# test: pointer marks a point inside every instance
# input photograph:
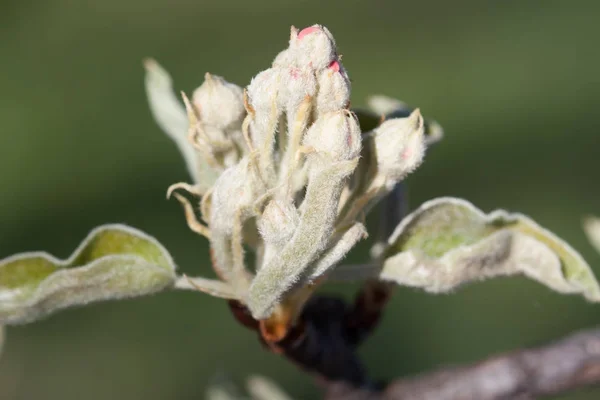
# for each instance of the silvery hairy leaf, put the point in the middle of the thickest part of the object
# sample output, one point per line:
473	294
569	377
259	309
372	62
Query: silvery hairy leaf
448	242
113	262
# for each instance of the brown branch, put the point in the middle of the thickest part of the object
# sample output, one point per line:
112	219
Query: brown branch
569	364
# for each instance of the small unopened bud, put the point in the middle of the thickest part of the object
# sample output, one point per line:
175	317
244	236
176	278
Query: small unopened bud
334	88
400	145
234	189
297	84
219	103
283	59
313	46
336	133
278	222
264	89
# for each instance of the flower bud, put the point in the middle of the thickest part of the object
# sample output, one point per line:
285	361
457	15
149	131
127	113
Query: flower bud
263	98
334	88
283	59
219	103
336	133
400	145
297	84
234	189
264	89
313	47
278	222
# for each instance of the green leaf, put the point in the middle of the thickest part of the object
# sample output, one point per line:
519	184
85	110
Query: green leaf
448	242
113	262
591	225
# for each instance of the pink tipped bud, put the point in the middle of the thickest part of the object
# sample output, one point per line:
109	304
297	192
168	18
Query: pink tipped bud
309	30
219	103
297	84
313	47
334	66
337	134
334	88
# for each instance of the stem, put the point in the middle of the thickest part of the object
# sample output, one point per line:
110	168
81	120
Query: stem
566	365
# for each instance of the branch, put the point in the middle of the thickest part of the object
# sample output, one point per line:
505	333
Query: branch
568	364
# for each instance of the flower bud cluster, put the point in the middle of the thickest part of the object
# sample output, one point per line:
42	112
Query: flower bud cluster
288	173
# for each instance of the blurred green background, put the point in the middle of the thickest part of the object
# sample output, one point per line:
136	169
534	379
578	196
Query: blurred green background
514	83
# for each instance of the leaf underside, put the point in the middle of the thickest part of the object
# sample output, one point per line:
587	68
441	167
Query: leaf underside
114	261
448	242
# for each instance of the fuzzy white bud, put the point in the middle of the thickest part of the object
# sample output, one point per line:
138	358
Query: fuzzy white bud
278	222
313	47
234	189
264	89
284	59
335	133
297	84
218	102
334	88
400	145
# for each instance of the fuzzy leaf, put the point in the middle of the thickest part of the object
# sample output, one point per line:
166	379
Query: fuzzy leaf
113	262
172	118
591	225
448	242
342	246
278	276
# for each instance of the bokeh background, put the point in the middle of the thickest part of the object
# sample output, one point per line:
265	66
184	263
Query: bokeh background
514	83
